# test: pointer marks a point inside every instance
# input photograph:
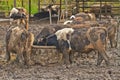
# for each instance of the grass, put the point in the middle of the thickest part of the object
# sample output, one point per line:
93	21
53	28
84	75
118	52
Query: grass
34	4
8	6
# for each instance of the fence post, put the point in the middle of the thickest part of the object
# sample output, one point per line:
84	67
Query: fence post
100	8
22	4
29	9
83	6
50	16
66	10
14	3
60	7
77	6
38	5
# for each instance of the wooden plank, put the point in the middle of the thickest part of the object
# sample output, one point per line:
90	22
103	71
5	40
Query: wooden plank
3	20
55	4
4	11
43	47
2	0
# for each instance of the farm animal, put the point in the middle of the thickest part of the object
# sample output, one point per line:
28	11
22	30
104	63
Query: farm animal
78	24
19	41
47	30
80	18
84	16
19	15
80	40
112	26
45	13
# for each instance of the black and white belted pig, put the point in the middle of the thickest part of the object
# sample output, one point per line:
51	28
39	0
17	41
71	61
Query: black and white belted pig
46	31
82	40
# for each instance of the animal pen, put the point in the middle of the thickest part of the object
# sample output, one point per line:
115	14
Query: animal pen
48	61
67	8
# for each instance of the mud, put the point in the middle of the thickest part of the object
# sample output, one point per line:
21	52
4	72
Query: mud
82	69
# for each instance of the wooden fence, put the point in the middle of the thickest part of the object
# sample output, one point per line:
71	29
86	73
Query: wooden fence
35	6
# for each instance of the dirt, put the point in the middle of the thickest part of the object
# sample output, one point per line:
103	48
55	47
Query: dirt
83	69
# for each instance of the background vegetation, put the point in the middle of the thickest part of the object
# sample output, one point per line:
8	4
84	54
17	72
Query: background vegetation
7	5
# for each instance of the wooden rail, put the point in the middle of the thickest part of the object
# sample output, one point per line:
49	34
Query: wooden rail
43	47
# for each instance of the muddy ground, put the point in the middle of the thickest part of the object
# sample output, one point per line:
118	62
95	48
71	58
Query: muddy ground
83	69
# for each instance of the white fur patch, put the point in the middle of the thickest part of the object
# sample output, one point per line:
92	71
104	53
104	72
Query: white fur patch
14	10
67	22
72	17
62	34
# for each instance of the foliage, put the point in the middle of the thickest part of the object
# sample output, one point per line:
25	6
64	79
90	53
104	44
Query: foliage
34	3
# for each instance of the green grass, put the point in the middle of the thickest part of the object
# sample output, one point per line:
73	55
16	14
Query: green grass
34	4
8	6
